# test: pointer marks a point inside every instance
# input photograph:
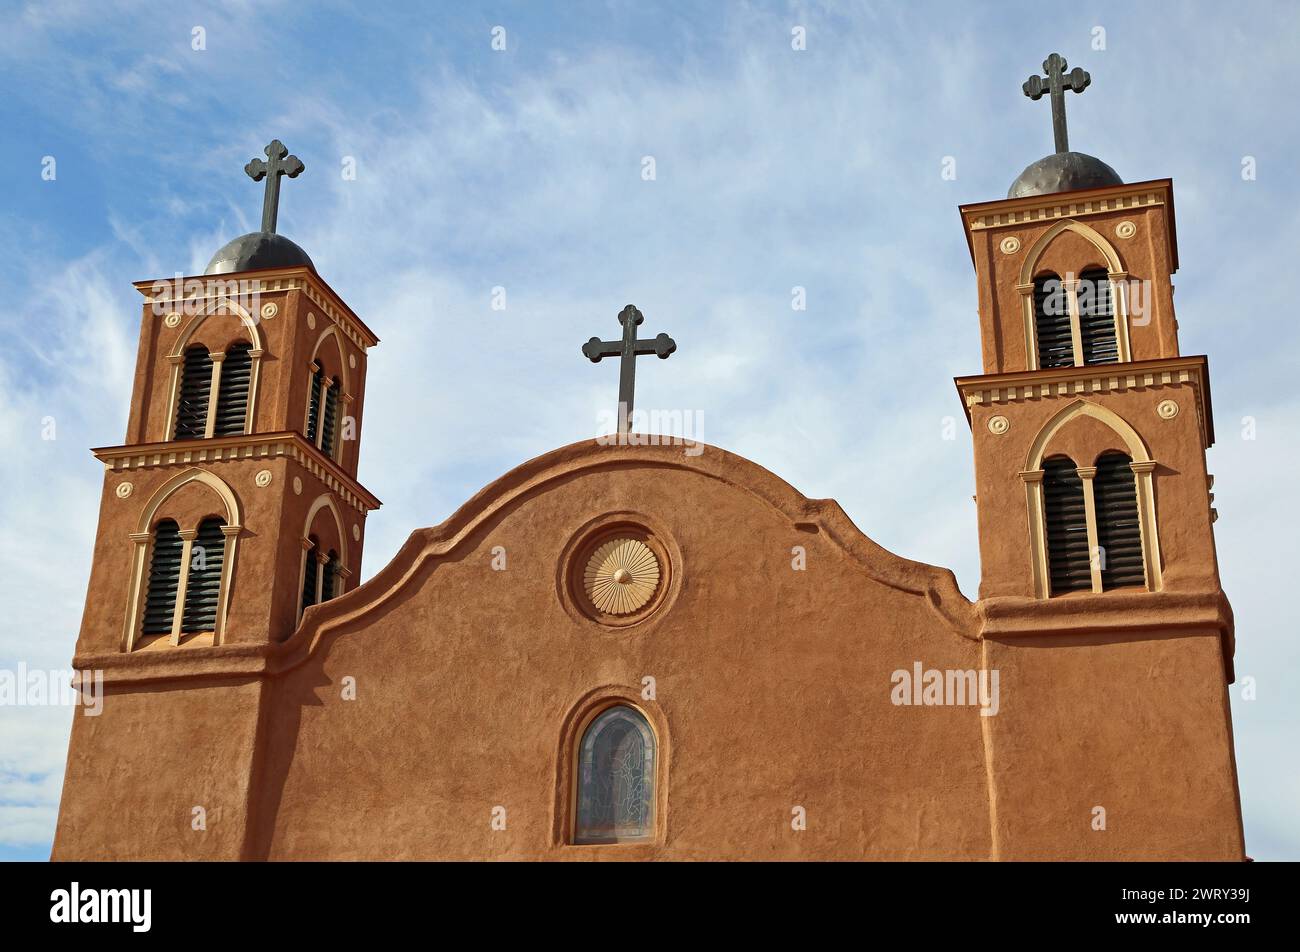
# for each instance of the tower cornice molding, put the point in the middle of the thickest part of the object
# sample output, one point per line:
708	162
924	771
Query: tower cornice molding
1093	379
258	446
1079	204
195	288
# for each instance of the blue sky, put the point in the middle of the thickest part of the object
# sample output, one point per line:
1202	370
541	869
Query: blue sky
522	169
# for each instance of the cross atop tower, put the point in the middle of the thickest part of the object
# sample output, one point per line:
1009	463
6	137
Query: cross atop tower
1056	82
627	351
278	162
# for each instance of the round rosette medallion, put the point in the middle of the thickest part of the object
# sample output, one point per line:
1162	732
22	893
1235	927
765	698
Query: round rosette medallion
617	571
622	576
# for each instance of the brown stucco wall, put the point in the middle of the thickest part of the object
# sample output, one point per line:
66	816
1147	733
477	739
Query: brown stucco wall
136	772
1135	722
773	689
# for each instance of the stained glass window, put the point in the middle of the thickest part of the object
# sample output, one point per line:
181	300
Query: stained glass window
616	778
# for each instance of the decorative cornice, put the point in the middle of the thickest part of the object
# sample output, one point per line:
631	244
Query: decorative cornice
1069	382
1046	208
259	446
1081	203
216	287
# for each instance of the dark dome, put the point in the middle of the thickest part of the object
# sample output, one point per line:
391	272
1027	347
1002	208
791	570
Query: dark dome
258	250
1063	172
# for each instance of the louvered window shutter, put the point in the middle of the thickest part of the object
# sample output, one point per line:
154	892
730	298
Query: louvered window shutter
1119	533
196	388
309	577
331	576
1097	318
232	392
1067	526
203	584
164	577
1052	323
329	418
313	405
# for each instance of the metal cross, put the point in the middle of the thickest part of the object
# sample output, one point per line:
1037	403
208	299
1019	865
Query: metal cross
627	351
1056	82
279	162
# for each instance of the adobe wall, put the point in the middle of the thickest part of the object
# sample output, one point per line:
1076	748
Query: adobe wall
1136	723
136	772
773	685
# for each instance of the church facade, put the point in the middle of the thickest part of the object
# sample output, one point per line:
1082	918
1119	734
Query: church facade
623	650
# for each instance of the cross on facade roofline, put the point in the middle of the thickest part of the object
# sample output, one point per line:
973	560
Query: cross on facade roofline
1056	82
627	350
278	162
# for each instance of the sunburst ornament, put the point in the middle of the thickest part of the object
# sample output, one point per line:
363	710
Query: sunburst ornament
621	576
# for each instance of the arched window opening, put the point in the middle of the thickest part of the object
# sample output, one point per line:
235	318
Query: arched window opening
1119	529
313	404
329	418
233	390
164	579
1097	318
1052	323
310	571
1067	526
329	580
196	389
616	778
203	582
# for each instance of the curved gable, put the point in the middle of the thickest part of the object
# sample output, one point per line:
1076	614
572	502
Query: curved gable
935	587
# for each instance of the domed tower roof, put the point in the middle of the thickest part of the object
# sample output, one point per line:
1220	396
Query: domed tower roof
263	249
1063	171
258	250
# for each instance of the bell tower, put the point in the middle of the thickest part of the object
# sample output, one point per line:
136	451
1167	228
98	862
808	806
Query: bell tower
1090	430
1082	364
232	507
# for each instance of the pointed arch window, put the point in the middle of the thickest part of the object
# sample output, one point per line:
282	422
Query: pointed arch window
616	778
1067	526
164	579
186	572
1119	528
1119	518
233	390
1052	323
195	391
1097	335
